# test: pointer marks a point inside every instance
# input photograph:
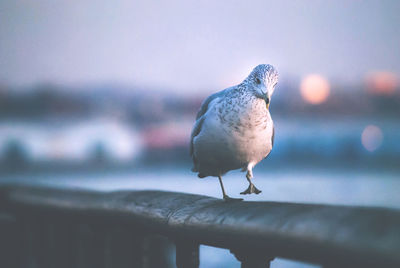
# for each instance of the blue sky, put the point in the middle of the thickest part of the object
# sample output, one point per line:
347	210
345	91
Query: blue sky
194	45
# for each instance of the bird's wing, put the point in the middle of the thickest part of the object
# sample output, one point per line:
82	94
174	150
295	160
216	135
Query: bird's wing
272	140
273	136
200	119
206	102
196	130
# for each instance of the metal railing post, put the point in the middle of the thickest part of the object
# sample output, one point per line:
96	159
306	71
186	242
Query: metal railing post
64	244
125	248
158	252
187	254
252	258
9	238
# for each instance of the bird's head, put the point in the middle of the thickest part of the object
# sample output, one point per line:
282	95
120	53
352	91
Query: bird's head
263	80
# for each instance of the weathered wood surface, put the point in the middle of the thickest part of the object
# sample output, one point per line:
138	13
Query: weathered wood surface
334	235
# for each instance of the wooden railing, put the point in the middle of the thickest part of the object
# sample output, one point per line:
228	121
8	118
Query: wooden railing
43	227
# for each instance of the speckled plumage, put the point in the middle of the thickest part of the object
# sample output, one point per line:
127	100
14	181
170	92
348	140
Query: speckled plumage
234	128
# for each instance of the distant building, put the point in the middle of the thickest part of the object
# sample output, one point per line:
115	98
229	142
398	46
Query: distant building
72	141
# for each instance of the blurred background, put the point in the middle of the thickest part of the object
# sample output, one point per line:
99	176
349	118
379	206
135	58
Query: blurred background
103	94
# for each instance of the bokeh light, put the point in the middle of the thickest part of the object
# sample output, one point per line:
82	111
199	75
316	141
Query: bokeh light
371	138
314	89
382	83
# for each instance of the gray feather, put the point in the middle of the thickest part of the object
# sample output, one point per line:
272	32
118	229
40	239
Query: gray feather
272	141
204	105
199	121
273	136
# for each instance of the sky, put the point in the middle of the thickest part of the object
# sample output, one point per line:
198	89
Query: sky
194	45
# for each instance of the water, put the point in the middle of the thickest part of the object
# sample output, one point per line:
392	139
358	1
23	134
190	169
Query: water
340	187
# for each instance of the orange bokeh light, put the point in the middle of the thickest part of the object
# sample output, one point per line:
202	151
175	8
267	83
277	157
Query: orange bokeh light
382	83
314	89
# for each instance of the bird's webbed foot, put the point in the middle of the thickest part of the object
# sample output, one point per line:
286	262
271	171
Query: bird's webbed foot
231	199
252	189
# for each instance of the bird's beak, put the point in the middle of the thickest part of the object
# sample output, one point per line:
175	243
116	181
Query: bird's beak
266	98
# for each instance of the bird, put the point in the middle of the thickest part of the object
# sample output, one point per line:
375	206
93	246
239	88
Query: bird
234	129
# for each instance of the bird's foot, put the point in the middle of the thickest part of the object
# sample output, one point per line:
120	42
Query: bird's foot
231	199
252	189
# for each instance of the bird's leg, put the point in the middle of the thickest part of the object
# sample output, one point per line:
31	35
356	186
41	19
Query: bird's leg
225	196
222	187
252	189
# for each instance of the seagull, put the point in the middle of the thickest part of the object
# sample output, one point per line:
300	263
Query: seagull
234	129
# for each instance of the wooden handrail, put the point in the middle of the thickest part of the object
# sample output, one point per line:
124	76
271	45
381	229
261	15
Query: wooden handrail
255	232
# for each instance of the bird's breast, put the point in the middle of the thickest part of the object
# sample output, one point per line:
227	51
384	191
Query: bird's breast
246	115
248	129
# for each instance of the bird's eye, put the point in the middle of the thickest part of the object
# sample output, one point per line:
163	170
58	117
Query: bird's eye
258	81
